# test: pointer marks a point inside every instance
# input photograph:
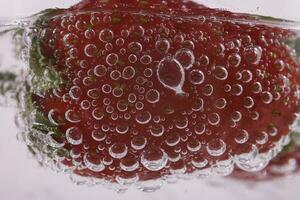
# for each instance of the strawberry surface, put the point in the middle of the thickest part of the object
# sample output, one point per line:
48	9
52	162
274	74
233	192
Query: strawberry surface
138	90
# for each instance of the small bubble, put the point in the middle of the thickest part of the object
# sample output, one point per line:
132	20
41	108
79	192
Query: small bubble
172	139
70	39
106	35
122	128
199	128
185	57
128	72
132	58
196	77
72	116
89	34
143	117
117	92
242	137
214	119
181	122
118	150
93	163
115	75
198	104
98	135
106	88
129	163
75	92
256	88
236	116
157	130
97	114
236	89
216	147
220	73
100	70
137	31
248	102
193	145
135	47
154	158
199	161
138	142
74	136
112	59
253	54
152	96
162	46
246	76
267	97
204	60
85	105
208	90
234	60
221	103
90	50
146	59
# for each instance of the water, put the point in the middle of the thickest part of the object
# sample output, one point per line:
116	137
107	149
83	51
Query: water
173	72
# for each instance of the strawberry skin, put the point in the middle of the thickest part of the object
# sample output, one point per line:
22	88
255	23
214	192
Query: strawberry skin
138	90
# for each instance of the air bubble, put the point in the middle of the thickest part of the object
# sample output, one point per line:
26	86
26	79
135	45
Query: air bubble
138	142
106	35
154	159
128	72
112	59
196	77
253	54
74	135
93	163
220	73
118	150
90	50
100	70
157	130
241	137
152	96
216	147
98	135
185	57
162	46
97	114
143	117
171	74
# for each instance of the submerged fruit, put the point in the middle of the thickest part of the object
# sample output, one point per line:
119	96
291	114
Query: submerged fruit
139	90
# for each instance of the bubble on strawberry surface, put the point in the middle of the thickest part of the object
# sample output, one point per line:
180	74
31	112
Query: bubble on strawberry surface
93	162
98	135
199	161
106	35
106	88
118	150
146	59
143	117
50	140
138	142
157	130
154	158
267	97
135	47
72	116
171	74
253	54
70	39
234	60
52	116
74	136
112	59
129	163
185	57
162	46
128	72
196	77
152	96
216	147
207	90
90	50
241	137
100	70
220	73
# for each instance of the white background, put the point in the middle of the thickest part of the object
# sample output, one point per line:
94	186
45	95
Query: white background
21	178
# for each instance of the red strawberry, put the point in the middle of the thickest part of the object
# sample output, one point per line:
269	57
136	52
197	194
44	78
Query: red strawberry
138	90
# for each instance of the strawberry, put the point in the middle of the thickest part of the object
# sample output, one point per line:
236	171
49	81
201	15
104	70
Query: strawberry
144	89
